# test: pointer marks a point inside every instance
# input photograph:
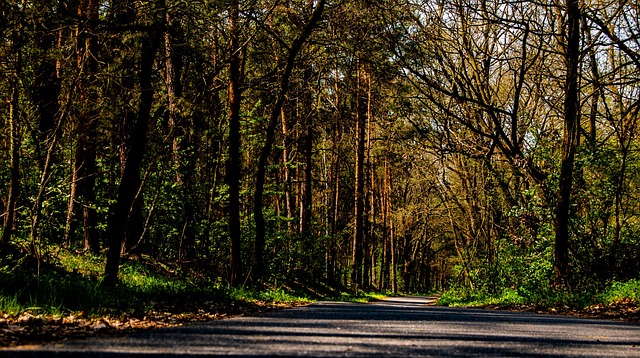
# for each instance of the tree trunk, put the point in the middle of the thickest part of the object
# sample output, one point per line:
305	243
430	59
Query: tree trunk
45	93
130	180
392	236
46	86
234	169
295	48
287	172
307	149
385	208
358	232
569	143
180	138
14	141
84	168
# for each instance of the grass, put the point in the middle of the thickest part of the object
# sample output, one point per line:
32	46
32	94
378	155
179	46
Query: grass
615	293
360	297
68	283
622	292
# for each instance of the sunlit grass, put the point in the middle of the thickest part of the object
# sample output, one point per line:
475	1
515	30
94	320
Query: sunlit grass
616	292
70	282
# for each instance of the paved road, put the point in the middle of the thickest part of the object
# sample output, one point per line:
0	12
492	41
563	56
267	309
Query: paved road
404	326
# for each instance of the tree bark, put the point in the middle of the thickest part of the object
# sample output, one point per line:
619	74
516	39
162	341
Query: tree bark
569	143
357	245
180	138
307	148
46	85
130	180
84	169
14	140
234	169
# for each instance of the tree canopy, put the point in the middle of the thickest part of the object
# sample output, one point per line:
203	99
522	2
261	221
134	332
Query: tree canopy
404	145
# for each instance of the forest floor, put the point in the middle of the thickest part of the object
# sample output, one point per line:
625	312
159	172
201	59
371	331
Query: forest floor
30	327
620	311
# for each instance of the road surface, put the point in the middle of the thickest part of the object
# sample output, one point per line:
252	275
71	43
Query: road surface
402	326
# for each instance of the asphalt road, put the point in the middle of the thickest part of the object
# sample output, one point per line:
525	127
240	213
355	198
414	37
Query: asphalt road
403	326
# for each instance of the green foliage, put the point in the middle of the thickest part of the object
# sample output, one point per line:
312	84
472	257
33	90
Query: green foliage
508	296
545	297
71	283
622	292
275	296
361	297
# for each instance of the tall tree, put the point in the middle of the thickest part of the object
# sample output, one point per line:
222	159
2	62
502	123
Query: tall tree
82	190
265	153
234	169
16	41
130	180
357	245
569	141
45	96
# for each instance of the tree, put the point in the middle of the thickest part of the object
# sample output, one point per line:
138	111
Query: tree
292	53
84	169
130	180
234	170
15	73
45	95
569	142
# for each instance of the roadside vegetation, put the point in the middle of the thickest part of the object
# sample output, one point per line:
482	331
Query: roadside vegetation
61	295
617	300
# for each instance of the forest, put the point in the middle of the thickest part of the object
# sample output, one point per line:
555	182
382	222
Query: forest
380	145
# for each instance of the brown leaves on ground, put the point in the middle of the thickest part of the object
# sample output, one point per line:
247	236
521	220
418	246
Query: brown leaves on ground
31	328
624	310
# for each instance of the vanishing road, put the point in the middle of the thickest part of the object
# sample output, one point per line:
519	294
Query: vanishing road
403	326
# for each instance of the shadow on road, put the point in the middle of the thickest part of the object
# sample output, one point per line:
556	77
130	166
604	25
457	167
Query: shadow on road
397	327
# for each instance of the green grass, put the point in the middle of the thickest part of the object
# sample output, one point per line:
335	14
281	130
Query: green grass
360	297
621	292
627	292
68	283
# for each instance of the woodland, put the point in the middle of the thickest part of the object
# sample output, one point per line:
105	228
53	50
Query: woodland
395	146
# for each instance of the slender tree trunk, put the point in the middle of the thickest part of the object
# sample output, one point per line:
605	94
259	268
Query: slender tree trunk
335	200
358	232
295	48
307	149
287	172
14	141
372	187
392	236
46	86
173	95
46	90
85	170
335	177
234	170
130	180
597	90
385	197
179	140
569	143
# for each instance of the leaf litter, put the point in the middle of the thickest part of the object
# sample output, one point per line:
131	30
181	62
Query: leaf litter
30	327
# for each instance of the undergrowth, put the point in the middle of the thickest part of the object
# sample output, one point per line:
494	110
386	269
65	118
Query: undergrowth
616	292
68	282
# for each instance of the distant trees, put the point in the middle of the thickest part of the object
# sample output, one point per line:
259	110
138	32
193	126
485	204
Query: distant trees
401	146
